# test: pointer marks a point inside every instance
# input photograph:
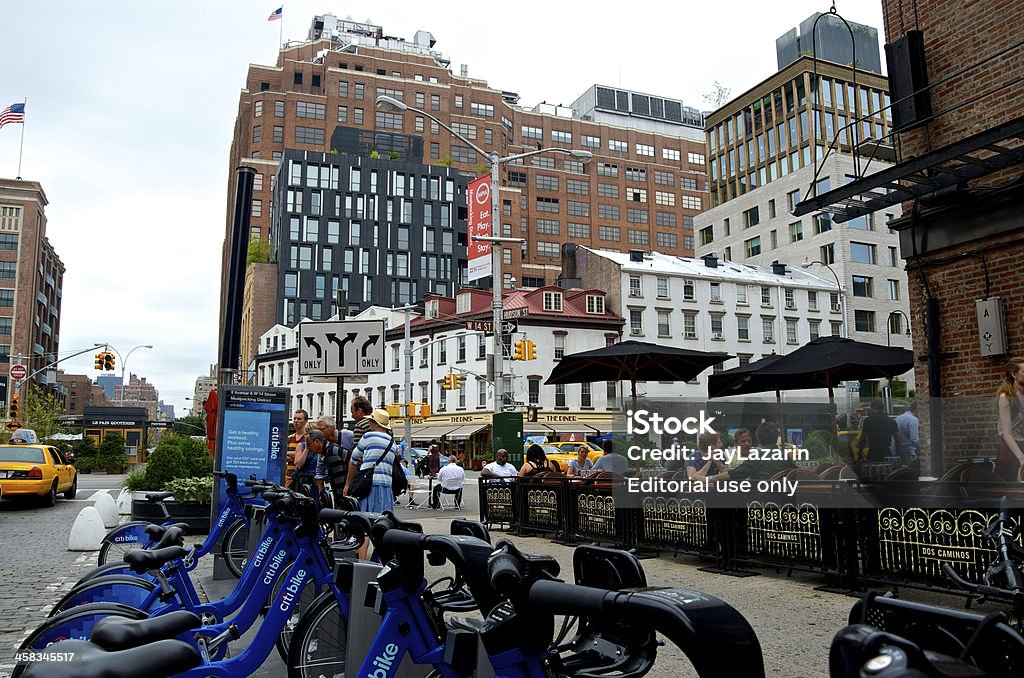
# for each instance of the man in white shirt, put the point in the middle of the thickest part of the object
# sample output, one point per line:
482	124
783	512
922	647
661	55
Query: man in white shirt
499	468
449	481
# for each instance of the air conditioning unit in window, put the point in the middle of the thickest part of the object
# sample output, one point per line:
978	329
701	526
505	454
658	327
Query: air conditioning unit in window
837	308
717	336
791	305
769	339
636	333
689	335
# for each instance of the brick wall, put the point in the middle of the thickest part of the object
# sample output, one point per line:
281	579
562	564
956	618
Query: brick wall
958	36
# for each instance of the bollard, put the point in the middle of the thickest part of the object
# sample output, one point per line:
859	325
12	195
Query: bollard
87	532
124	502
104	503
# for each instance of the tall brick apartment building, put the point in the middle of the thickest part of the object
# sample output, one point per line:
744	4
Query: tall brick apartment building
642	189
31	278
955	70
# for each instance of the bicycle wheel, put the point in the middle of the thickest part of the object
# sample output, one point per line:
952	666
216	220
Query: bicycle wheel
234	547
76	623
306	598
121	540
319	645
122	589
111	568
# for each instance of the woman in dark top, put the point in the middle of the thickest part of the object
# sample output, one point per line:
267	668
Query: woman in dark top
536	462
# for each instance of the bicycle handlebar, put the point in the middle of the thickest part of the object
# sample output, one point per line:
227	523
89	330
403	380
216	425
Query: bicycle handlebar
1009	595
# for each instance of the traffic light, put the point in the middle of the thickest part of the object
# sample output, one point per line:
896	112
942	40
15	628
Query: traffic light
449	379
520	350
99	360
13	413
531	350
108	361
456	382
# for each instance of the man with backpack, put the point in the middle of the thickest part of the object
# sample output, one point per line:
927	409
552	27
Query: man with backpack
333	463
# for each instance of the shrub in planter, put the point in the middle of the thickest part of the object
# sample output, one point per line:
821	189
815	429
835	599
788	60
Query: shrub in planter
166	463
86	463
819	444
191	489
135	481
111	454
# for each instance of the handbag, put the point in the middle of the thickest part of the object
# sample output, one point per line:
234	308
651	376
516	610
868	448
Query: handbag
362	483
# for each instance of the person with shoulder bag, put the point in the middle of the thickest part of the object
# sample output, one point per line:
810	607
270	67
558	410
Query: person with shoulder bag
371	467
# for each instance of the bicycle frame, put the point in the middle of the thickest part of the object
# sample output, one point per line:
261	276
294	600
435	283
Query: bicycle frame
308	565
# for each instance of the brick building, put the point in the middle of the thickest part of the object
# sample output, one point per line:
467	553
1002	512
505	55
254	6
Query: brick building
643	187
138	393
31	278
957	174
82	392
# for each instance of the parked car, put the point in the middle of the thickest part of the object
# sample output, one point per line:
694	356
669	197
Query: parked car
39	471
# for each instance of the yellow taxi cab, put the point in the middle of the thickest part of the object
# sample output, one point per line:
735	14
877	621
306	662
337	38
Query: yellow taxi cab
567	451
34	470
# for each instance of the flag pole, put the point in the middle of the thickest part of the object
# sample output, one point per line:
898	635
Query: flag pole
280	30
21	146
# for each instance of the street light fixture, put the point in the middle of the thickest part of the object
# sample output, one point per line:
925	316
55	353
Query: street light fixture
842	293
392	105
888	325
123	361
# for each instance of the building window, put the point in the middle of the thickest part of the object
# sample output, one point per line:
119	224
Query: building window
662	284
644	149
717	326
690	324
863	286
894	290
768	330
670	154
532	132
695	158
716	293
8	269
668	240
766	296
548	249
559	346
586	399
638	237
663	324
547	205
862	253
256	133
559	395
309	135
618	146
796	231
743	328
581	231
607	169
751	217
534	391
308	109
595	304
553	301
752	247
827	253
634	286
864	321
560	137
635	216
609	233
636	321
690	202
481	347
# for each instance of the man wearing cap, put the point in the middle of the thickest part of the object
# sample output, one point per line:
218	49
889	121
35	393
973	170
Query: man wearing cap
295	440
375	445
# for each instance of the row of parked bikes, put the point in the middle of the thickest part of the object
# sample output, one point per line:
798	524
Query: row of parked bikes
140	615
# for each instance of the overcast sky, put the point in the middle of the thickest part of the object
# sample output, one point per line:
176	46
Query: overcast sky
131	106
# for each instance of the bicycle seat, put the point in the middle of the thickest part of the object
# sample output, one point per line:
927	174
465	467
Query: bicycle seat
117	633
156	532
157	497
859	649
144	560
161	659
473	528
172	536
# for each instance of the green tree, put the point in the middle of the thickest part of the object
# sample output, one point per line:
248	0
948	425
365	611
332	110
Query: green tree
259	252
111	453
42	411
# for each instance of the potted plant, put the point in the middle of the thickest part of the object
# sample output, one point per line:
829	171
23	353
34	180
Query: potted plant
85	455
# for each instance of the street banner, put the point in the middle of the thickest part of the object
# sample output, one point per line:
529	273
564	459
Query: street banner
479	197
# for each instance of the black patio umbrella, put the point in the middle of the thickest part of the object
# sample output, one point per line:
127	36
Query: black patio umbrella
823	363
633	361
742	379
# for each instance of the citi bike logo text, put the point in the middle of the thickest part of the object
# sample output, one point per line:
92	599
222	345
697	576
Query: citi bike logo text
292	590
125	538
384	661
223	517
275	563
261	552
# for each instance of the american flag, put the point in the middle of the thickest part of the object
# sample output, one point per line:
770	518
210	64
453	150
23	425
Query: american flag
12	114
275	15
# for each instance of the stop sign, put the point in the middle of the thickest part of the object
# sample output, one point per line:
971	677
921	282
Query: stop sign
18	372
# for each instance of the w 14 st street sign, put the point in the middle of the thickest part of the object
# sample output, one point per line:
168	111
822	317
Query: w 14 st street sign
340	347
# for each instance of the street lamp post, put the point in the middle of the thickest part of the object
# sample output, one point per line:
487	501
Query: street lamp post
123	361
391	104
844	333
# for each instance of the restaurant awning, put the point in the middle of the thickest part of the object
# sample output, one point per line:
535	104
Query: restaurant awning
560	427
466	431
429	432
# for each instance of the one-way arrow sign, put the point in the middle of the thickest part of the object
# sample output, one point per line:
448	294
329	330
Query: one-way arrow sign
340	348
